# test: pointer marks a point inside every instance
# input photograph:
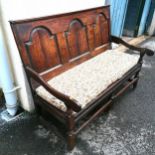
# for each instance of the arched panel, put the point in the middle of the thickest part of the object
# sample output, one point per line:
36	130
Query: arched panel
75	25
77	38
42	49
54	44
101	30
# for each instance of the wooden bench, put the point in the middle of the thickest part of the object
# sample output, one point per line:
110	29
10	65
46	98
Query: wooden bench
71	69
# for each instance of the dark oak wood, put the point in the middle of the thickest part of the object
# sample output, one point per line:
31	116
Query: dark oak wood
51	45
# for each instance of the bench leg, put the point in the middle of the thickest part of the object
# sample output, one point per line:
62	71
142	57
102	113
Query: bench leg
38	109
136	76
135	84
71	140
71	135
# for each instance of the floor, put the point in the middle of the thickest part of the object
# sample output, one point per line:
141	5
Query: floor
127	129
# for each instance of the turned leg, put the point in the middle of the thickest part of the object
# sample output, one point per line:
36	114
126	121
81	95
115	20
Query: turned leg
71	140
135	84
38	108
71	135
136	76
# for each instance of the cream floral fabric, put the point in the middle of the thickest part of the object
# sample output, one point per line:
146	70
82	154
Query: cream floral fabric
87	80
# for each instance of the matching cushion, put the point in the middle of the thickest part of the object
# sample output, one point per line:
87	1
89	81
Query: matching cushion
87	80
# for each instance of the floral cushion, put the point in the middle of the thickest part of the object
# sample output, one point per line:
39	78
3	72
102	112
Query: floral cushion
87	80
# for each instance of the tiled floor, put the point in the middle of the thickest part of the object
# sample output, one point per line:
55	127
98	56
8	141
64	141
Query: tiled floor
127	129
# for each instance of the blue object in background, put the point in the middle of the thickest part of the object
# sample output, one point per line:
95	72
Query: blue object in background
133	17
118	14
144	17
150	16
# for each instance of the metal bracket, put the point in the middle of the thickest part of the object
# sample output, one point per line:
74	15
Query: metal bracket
10	91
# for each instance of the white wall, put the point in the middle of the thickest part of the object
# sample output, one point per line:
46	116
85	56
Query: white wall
21	9
24	9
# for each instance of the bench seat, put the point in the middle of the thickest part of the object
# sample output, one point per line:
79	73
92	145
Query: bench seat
87	80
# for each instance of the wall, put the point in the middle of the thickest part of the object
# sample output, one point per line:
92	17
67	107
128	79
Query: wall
23	9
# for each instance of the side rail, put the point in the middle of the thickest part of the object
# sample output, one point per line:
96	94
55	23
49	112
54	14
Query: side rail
70	104
142	51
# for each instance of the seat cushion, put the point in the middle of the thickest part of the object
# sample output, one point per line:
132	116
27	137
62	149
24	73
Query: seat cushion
87	80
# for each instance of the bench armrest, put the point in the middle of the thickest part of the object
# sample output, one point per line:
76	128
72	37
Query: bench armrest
142	51
70	103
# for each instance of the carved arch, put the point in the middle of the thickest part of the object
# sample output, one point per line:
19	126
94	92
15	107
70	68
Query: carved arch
76	23
101	29
77	38
39	28
101	14
42	49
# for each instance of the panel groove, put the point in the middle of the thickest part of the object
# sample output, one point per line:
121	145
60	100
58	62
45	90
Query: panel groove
42	49
66	36
58	49
28	53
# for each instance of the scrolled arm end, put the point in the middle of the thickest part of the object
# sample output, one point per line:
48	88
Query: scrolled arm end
144	51
149	52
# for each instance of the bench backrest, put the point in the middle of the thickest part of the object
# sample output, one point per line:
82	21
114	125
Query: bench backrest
50	45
